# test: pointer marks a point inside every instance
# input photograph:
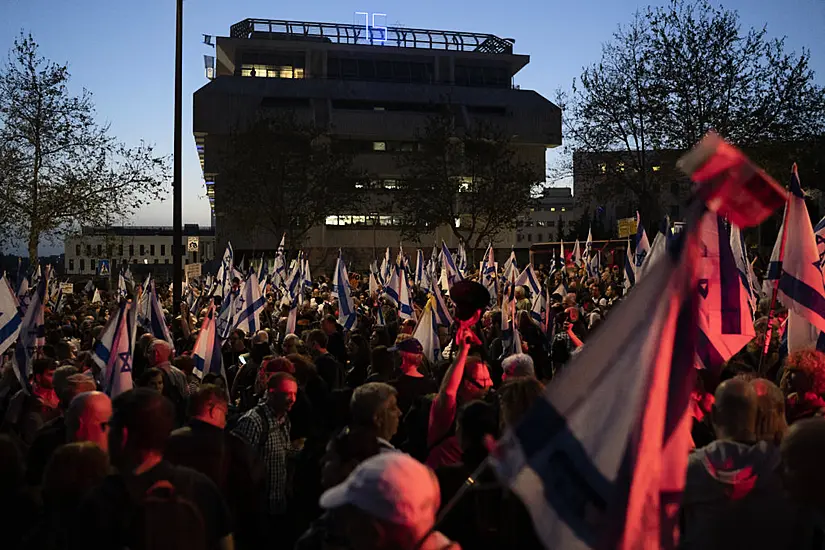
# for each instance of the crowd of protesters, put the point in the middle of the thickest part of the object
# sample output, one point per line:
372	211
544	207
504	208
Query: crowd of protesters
330	439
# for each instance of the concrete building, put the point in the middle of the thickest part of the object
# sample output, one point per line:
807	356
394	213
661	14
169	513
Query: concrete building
550	220
145	249
376	86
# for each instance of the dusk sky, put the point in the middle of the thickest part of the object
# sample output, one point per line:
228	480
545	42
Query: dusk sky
123	52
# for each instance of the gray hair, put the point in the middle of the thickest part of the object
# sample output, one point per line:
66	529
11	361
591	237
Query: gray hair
519	364
156	343
367	400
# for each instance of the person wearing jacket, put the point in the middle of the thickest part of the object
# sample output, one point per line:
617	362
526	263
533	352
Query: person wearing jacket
733	494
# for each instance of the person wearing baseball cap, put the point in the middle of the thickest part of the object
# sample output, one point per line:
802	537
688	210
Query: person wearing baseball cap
411	383
389	502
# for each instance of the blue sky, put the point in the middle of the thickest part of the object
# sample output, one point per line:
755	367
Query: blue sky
123	52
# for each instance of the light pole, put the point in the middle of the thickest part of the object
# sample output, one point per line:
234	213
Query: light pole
177	184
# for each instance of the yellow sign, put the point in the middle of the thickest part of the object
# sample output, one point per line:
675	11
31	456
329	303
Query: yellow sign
627	227
192	244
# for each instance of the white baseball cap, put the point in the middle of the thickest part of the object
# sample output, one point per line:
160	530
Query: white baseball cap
390	486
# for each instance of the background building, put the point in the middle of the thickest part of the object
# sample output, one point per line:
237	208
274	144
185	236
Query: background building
145	249
375	88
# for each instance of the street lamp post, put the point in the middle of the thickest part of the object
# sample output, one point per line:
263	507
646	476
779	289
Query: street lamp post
177	184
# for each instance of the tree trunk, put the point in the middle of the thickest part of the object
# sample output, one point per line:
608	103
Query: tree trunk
34	240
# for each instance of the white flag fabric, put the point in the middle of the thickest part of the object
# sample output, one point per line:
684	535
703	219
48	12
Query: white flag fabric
10	317
593	460
32	333
347	315
487	273
115	351
642	246
251	304
577	254
740	256
121	286
156	323
426	332
725	322
96	297
629	269
656	253
453	274
374	288
207	350
529	279
442	314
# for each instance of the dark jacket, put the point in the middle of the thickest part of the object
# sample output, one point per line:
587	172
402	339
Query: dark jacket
734	499
233	466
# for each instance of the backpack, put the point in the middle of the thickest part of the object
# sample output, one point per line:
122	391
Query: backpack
166	520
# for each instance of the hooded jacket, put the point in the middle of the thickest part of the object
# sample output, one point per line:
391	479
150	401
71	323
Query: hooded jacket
734	499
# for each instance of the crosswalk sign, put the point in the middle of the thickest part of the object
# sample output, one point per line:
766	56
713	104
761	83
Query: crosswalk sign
103	269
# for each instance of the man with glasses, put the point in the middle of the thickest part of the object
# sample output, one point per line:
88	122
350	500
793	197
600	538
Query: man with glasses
467	379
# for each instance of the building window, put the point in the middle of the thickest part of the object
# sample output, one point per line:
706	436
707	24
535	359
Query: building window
120	250
530	237
100	250
379	145
552	209
657	168
538	237
134	260
272	71
71	264
564	209
88	250
151	250
77	250
131	250
142	250
519	237
156	261
82	265
163	250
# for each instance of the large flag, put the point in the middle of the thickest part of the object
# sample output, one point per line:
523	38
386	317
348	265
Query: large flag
32	333
740	256
462	259
340	287
156	322
725	322
10	317
629	269
487	273
96	299
251	305
226	271
386	266
420	270
207	350
426	332
121	286
577	254
592	459
510	265
800	286
658	250
453	274
529	279
442	314
642	245
115	350
279	266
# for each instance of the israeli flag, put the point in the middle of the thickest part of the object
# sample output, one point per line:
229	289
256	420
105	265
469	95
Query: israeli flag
89	288
347	315
538	311
386	266
462	259
442	314
251	304
487	273
426	332
156	322
24	295
657	251
529	279
453	274
629	270
800	285
10	316
379	316
226	271
740	256
725	322
115	350
121	286
596	459
279	267
419	268
398	292
510	265
32	333
577	254
562	257
642	245
207	350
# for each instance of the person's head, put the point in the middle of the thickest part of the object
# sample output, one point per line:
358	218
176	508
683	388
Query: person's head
803	453
186	364
379	337
476	381
60	380
475	420
271	366
344	452
519	293
73	386
87	418
317	341
72	471
282	392
804	373
151	378
770	413
142	420
43	372
159	352
411	352
407	327
290	344
209	404
734	410
261	337
518	365
329	325
381	362
65	351
388	502
375	406
517	396
236	341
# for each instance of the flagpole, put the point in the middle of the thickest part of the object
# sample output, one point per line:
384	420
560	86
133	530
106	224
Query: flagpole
177	184
772	311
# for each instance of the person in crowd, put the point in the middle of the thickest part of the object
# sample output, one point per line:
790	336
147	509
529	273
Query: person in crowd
733	491
28	412
20	504
518	365
266	427
516	397
522	302
175	386
374	407
53	434
244	387
87	419
151	378
467	379
332	371
771	424
335	339
115	512
411	383
382	365
803	384
205	446
389	502
291	344
803	453
358	350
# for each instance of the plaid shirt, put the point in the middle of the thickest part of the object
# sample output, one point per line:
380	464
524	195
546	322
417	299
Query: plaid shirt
275	451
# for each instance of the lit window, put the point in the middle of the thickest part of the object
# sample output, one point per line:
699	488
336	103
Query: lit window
359	185
379	145
553	209
272	71
332	220
620	166
657	168
390	184
385	220
602	168
564	209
